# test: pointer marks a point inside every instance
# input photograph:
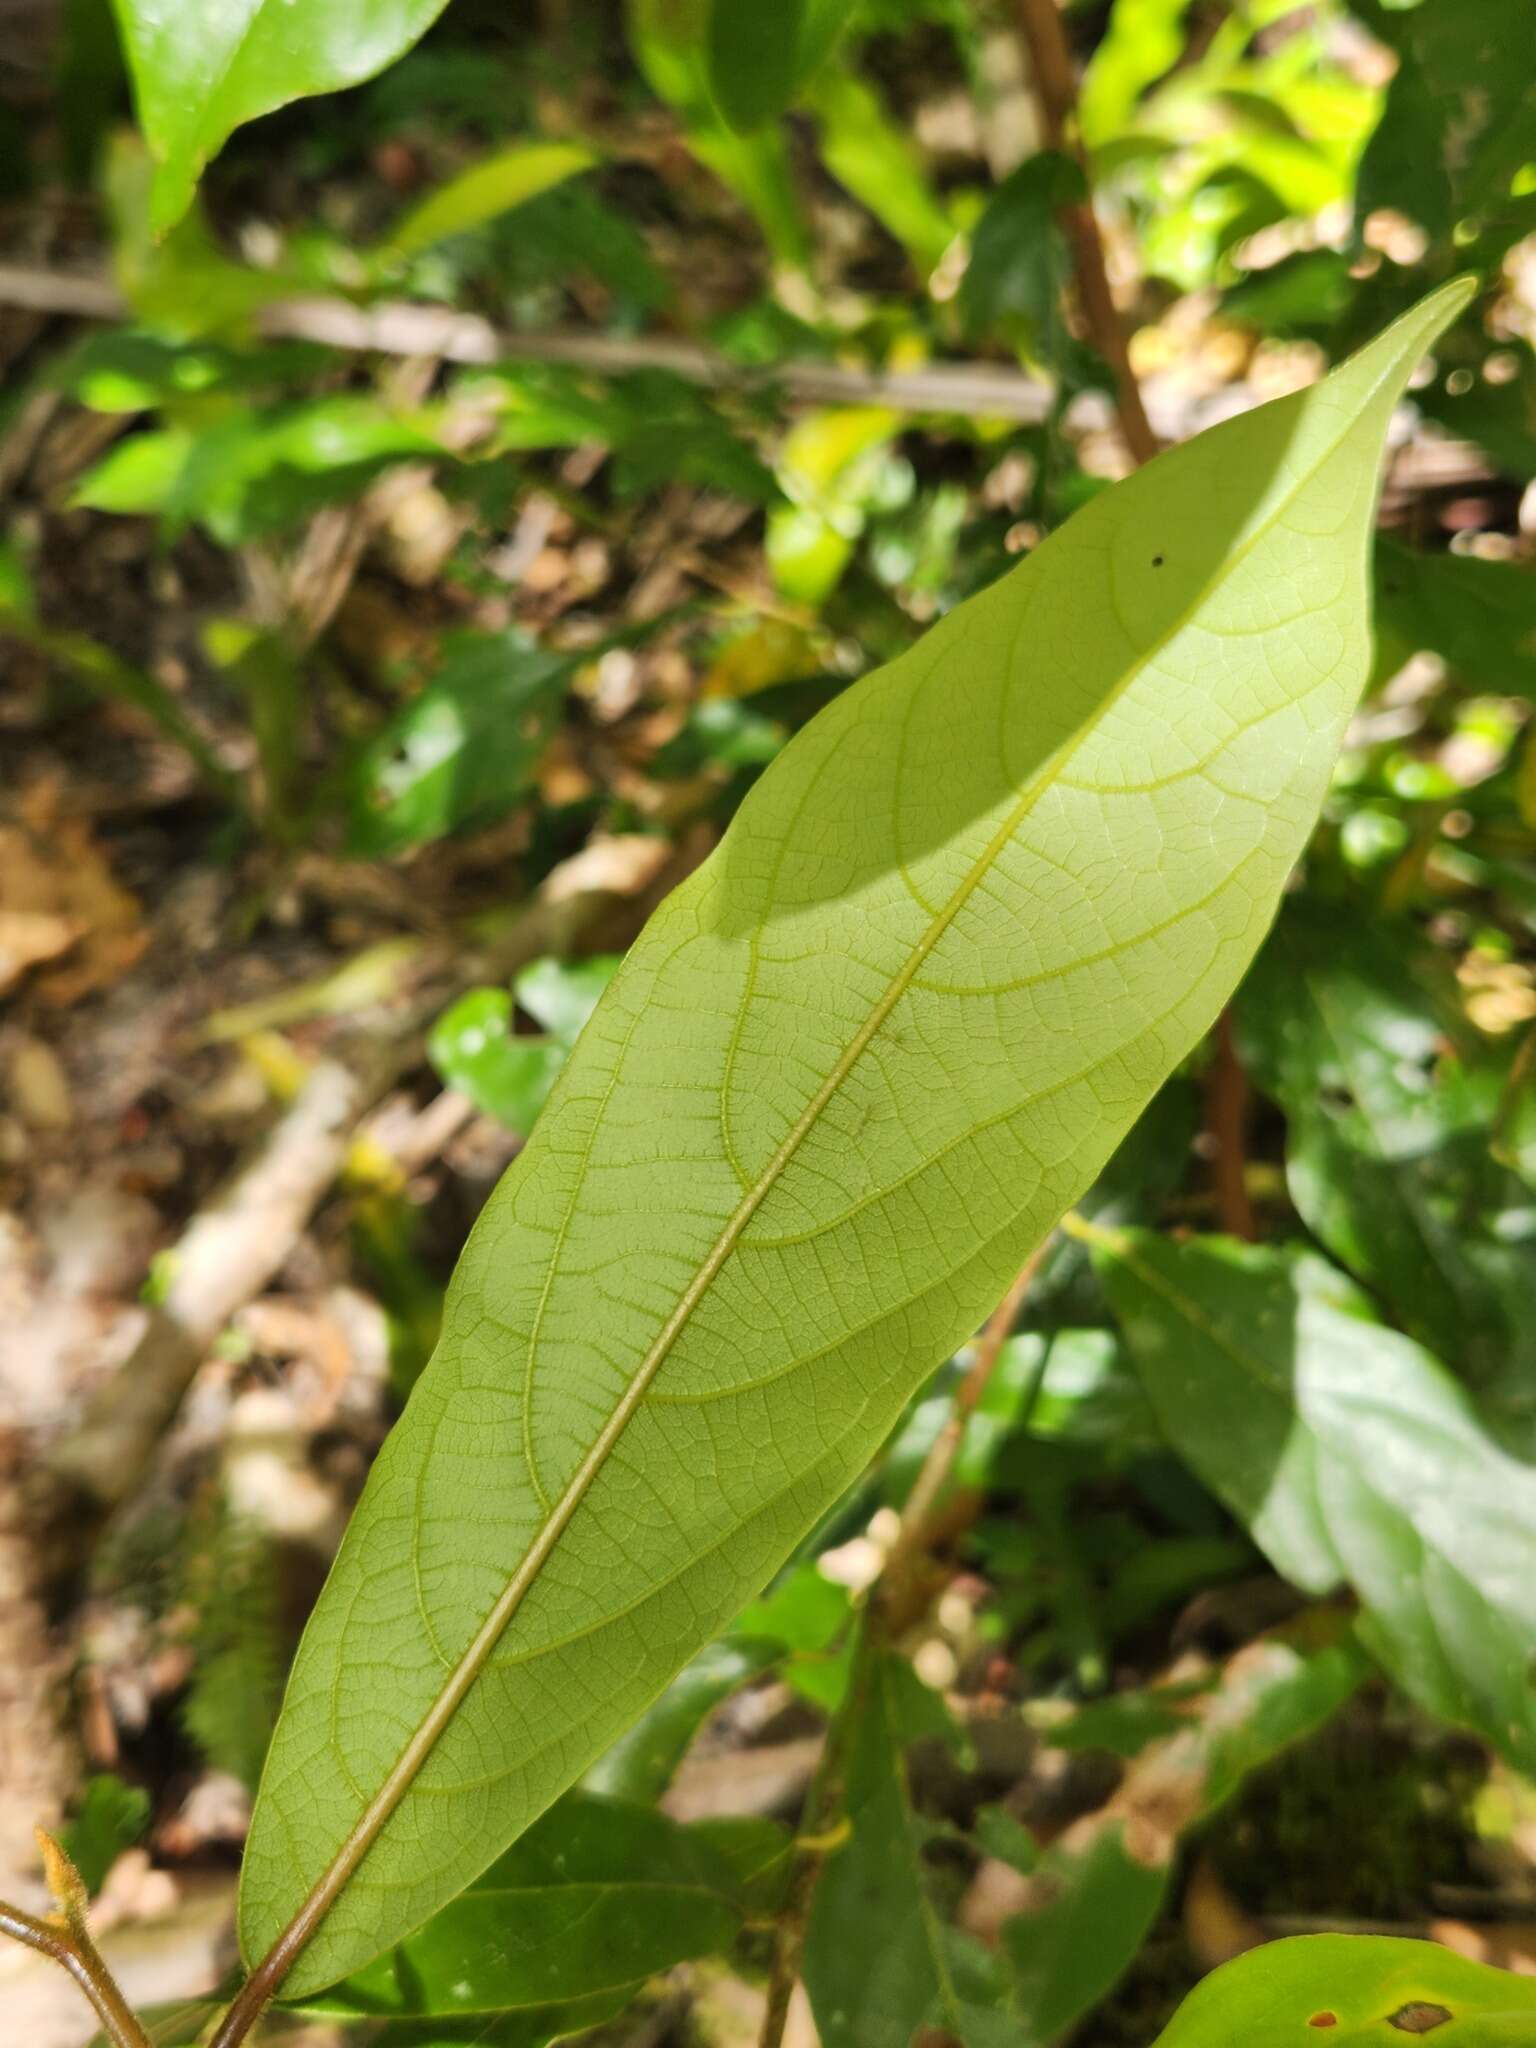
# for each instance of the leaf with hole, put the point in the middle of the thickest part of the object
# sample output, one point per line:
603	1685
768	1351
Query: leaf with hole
1354	1991
854	1069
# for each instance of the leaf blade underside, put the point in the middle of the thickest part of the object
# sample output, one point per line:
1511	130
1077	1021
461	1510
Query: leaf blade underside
852	1071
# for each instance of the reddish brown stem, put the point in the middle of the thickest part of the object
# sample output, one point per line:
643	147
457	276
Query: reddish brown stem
917	1522
1055	87
1226	1127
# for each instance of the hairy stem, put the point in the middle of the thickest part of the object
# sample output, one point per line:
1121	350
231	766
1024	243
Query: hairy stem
74	1951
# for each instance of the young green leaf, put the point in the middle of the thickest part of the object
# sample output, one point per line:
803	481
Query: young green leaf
1371	1990
1317	1427
856	1066
200	71
474	1049
487	189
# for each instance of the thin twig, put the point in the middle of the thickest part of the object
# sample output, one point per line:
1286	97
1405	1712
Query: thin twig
403	328
1226	1126
917	1521
1055	88
75	1952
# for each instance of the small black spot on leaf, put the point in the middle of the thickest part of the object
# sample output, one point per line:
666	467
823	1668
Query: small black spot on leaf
1157	561
1419	2017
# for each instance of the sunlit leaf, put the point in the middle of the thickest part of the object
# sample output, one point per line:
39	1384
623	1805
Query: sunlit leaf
505	1075
200	72
865	149
1144	40
488	189
958	934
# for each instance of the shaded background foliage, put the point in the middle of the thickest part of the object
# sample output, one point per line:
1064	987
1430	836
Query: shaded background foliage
366	683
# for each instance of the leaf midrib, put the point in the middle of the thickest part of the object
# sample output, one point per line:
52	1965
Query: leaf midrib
474	1658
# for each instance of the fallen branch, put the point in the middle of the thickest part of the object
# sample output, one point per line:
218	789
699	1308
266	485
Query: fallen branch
403	328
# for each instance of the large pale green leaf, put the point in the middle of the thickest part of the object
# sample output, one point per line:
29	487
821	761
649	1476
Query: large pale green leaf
1360	1988
201	69
1353	1457
854	1068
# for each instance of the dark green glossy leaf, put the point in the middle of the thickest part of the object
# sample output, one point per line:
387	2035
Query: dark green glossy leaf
1389	1154
1457	102
670	39
463	752
761	1855
760	55
595	1898
1350	1454
1478	616
474	1049
1354	1991
1404	165
507	1076
1019	259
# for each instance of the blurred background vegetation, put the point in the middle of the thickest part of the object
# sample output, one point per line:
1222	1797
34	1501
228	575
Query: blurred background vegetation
406	565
